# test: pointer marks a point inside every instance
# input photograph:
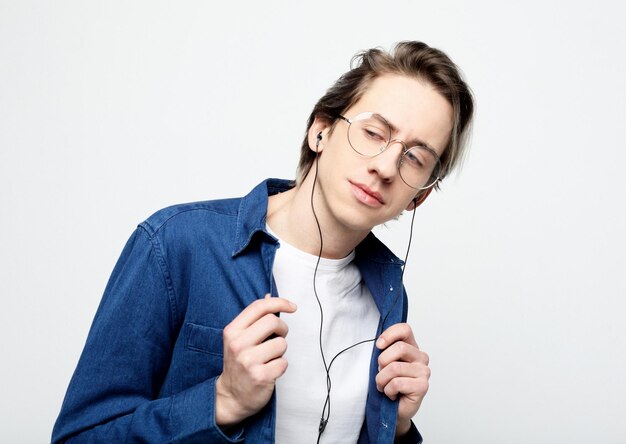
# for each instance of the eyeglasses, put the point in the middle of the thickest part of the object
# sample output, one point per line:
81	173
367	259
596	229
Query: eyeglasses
369	134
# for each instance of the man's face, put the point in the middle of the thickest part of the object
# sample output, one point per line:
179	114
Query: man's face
361	192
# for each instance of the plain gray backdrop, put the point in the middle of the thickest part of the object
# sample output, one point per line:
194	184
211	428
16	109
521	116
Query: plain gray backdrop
112	110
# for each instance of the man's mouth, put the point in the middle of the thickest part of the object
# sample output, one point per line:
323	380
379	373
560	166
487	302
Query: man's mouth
366	195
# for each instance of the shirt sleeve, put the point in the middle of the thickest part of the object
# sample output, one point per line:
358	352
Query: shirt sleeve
412	437
114	393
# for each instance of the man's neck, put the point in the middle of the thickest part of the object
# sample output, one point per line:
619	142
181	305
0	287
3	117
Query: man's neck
290	216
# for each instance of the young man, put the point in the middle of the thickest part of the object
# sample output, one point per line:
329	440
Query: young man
190	341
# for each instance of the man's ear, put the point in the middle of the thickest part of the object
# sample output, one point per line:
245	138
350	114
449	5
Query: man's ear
419	199
317	133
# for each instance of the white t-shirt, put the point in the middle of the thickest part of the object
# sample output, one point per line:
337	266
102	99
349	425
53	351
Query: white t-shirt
350	316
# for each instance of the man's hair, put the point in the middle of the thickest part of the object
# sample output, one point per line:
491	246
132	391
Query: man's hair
413	59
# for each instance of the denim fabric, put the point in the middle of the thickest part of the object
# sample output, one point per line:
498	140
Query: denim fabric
148	369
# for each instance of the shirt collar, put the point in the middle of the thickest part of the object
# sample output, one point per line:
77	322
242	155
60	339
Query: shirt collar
373	249
253	212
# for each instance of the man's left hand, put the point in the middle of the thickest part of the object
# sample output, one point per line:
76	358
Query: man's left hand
403	372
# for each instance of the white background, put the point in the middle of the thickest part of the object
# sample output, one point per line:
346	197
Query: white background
112	110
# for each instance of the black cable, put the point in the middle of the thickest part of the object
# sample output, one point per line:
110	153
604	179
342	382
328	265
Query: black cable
326	413
323	421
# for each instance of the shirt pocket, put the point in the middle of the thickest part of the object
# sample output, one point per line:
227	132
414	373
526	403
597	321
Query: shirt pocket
203	339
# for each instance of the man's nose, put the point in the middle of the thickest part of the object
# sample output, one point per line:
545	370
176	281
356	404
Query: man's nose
385	164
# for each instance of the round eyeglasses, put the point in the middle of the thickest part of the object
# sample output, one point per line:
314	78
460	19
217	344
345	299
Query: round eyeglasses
369	134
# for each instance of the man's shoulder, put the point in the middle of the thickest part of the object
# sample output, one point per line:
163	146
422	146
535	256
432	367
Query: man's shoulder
193	215
196	215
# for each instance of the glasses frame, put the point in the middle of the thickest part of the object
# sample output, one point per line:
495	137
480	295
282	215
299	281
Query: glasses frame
390	142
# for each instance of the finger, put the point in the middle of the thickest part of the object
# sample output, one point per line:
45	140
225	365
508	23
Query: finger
264	374
269	350
260	308
397	332
402	351
274	369
251	358
268	326
262	353
413	388
400	369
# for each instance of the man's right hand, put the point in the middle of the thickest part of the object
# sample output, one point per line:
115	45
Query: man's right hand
252	362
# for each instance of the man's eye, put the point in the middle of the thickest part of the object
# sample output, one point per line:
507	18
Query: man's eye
374	134
413	158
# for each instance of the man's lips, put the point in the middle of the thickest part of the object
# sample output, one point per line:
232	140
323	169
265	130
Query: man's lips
366	195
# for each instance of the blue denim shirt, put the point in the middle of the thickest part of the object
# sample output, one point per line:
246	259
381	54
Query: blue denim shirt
148	369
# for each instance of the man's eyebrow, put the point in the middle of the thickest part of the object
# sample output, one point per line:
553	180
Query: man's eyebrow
414	142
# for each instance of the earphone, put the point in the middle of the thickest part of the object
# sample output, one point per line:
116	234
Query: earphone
417	200
421	197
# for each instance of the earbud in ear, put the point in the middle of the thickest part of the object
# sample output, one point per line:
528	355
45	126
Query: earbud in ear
319	139
421	197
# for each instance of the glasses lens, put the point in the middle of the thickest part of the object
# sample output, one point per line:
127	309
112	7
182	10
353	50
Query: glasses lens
369	134
419	167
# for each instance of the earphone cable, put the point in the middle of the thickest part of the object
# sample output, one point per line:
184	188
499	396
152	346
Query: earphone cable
325	413
326	410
